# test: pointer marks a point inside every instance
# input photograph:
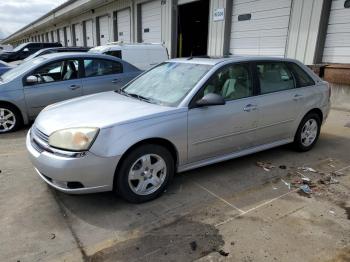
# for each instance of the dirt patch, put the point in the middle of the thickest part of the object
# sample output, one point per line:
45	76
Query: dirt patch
182	240
342	256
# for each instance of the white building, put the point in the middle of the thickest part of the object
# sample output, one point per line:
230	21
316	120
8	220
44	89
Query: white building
313	31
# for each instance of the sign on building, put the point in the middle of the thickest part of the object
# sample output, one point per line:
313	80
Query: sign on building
219	14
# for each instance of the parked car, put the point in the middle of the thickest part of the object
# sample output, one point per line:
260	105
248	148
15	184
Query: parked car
143	56
28	88
4	67
52	50
180	115
24	50
4	48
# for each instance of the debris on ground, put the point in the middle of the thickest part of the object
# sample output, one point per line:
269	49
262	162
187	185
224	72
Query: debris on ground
193	245
306	180
286	183
307	169
328	180
265	165
332	212
283	167
52	236
223	253
306	189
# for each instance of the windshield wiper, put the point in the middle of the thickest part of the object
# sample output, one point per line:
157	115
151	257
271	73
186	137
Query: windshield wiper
139	97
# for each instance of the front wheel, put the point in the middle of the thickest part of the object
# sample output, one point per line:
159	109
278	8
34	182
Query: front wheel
144	173
308	132
10	119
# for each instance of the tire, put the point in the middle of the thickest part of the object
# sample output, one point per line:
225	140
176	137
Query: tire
302	142
138	179
10	119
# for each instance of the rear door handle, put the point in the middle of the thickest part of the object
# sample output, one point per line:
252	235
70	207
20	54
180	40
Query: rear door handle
73	87
296	97
250	107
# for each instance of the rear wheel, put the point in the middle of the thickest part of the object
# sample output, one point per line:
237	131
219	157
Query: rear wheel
144	173
10	119
308	132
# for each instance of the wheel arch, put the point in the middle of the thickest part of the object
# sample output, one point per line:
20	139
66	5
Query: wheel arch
153	141
316	111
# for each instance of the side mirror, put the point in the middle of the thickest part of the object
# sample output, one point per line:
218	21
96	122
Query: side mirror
211	99
32	80
26	49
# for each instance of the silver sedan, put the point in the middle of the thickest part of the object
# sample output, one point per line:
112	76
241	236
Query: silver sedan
180	115
25	90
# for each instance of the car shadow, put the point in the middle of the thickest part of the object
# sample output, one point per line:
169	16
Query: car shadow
227	179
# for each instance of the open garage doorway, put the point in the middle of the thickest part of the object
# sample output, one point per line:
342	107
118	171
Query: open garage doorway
192	28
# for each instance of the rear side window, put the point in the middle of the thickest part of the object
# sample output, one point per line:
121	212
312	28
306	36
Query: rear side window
117	53
101	67
301	77
274	77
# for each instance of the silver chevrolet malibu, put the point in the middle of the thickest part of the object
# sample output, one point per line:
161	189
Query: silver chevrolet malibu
180	115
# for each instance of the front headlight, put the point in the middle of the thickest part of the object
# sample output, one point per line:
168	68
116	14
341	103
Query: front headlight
74	139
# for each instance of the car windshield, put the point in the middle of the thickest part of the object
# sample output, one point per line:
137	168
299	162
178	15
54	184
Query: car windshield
19	47
166	84
34	55
19	70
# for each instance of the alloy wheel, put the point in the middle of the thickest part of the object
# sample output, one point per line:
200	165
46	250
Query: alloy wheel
7	120
309	132
147	174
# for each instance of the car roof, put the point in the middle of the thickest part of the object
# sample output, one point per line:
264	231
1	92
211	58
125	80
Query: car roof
122	46
217	60
65	48
77	54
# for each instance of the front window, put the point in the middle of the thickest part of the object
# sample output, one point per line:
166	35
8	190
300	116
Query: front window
232	82
57	71
168	83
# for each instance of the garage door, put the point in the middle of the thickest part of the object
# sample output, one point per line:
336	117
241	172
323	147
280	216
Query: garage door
55	36
151	22
69	36
62	36
260	27
89	33
123	25
104	30
337	45
78	34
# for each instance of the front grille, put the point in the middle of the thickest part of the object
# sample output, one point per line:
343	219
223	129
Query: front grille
39	140
43	137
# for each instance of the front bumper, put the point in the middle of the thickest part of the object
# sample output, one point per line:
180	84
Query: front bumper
88	174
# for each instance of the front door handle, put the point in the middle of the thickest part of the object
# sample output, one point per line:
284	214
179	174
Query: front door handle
250	107
296	97
114	81
73	87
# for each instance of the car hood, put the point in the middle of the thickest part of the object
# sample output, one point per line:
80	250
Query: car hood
99	110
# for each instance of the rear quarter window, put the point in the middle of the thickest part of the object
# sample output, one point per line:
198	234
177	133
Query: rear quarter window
301	77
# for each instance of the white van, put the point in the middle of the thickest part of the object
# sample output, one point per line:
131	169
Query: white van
143	56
